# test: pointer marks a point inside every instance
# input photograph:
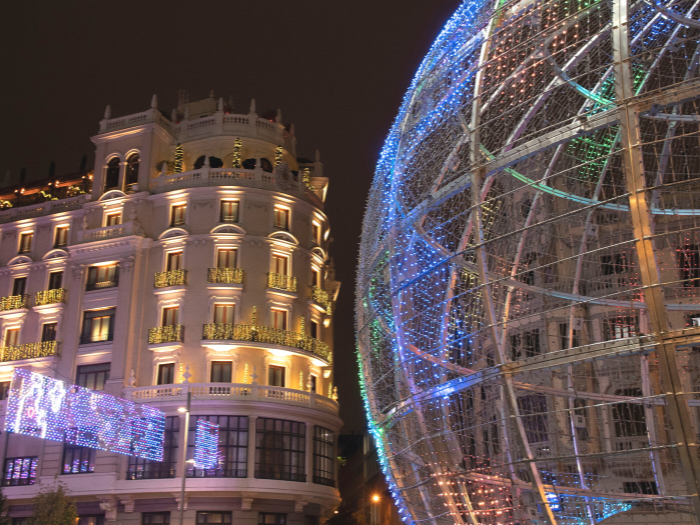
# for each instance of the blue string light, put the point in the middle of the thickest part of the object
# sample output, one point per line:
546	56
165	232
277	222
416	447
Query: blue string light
58	411
206	445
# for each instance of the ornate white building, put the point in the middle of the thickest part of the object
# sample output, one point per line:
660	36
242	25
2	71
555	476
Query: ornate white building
194	260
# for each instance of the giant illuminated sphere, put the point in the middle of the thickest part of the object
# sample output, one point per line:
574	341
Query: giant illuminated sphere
529	279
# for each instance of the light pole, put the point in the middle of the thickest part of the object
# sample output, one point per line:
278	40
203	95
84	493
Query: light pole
186	410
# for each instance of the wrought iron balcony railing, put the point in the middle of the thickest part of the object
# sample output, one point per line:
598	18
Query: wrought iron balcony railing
166	334
265	334
28	351
170	278
282	282
321	297
225	275
57	295
13	302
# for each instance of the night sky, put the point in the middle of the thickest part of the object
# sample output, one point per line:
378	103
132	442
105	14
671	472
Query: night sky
338	71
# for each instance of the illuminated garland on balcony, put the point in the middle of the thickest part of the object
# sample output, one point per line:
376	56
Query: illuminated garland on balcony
265	334
279	154
179	156
236	162
43	297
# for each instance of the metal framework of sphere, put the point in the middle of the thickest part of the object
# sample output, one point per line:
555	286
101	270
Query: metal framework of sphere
529	279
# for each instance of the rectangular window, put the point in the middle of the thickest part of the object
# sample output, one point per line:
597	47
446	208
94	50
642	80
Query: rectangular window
229	211
621	327
55	280
233	447
280	447
171	316
315	277
226	258
564	337
93	376
689	264
221	371
223	313
629	417
100	277
275	375
314	383
640	487
4	390
60	237
48	332
531	343
166	374
281	218
613	264
20	471
11	337
533	411
19	286
324	457
113	219
25	242
316	232
174	261
213	517
140	468
91	519
272	518
177	215
279	318
280	264
78	460
155	518
313	329
98	325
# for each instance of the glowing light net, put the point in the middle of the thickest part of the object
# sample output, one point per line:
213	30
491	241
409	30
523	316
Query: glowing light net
47	408
529	280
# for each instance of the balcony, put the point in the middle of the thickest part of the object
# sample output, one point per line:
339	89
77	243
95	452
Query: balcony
279	281
225	275
28	351
44	297
232	391
264	334
166	334
321	297
170	278
106	232
13	302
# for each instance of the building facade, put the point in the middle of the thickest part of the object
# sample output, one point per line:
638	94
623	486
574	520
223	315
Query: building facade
194	260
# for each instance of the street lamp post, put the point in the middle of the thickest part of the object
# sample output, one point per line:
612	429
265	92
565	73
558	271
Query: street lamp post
184	457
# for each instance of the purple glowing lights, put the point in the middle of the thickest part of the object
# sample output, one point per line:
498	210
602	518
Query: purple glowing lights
52	409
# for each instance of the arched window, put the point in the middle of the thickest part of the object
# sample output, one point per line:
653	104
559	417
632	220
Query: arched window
112	175
132	169
266	165
249	164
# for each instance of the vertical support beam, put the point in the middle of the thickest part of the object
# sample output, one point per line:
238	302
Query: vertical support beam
477	178
252	424
678	410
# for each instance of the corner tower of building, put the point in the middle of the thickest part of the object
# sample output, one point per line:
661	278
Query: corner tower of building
194	260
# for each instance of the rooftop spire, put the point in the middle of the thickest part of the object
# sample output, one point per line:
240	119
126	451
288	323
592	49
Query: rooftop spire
318	156
173	115
154	101
279	116
211	94
252	106
108	112
220	104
